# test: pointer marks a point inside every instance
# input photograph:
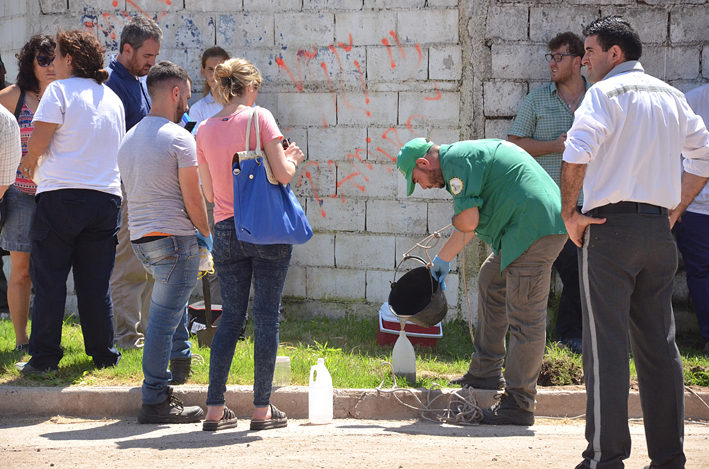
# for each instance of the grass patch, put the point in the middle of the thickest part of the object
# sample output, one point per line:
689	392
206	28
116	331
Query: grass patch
348	345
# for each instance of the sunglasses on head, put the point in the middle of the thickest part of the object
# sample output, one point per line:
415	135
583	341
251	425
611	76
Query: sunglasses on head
44	61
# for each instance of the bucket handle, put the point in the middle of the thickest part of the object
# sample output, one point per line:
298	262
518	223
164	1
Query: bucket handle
416	258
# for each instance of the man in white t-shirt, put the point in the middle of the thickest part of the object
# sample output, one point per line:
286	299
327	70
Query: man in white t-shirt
158	164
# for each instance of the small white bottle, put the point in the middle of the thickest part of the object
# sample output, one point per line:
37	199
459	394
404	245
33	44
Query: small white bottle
320	398
403	357
281	375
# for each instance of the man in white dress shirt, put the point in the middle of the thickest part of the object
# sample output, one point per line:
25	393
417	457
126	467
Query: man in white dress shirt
624	147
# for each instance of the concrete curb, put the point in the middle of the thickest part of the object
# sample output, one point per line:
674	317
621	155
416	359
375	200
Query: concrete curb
349	403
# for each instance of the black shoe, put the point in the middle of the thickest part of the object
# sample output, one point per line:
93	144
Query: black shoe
496	382
573	344
172	410
506	411
26	369
181	368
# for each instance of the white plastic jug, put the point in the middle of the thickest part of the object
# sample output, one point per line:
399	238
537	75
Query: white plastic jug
403	357
320	397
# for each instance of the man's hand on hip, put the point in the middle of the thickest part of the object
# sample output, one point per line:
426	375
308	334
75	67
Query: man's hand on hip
576	226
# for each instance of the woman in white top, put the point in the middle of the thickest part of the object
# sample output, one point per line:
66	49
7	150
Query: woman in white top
207	106
78	128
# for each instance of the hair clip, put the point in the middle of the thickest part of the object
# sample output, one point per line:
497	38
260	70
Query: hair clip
226	81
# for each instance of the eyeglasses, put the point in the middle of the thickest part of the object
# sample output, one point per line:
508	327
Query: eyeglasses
44	61
557	57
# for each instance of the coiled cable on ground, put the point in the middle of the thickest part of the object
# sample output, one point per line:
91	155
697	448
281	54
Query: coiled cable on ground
462	407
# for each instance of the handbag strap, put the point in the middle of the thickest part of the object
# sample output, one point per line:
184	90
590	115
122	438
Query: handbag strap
20	102
253	114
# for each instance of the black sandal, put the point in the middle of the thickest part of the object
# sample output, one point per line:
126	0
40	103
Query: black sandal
278	420
228	420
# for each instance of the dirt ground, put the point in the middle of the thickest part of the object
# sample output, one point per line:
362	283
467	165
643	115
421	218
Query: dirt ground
77	443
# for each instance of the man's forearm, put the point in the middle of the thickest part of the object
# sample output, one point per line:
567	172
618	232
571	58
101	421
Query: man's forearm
692	185
536	147
571	182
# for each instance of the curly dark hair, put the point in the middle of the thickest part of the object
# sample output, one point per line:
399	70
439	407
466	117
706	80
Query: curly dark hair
37	45
86	54
569	39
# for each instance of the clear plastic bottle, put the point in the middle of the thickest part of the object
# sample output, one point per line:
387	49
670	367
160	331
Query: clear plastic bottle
281	375
320	397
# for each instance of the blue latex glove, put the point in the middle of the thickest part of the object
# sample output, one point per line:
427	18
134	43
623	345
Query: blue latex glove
439	271
205	241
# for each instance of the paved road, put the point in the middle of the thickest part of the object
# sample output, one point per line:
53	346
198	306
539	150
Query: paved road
62	442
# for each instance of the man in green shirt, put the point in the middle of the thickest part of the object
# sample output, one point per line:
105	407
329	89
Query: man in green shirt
505	198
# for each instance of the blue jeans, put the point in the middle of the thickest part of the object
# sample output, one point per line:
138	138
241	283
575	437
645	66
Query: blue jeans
693	242
237	263
174	264
73	228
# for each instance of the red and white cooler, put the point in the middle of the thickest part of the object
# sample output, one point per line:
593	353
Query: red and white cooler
389	328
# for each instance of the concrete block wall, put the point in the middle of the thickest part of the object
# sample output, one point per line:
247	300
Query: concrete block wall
351	81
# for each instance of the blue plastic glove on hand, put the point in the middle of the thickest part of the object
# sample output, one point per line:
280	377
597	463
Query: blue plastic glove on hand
205	241
439	271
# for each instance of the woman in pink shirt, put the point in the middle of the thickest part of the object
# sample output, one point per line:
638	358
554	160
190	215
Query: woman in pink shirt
238	262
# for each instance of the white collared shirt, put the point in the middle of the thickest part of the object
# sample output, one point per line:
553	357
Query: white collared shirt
204	109
630	131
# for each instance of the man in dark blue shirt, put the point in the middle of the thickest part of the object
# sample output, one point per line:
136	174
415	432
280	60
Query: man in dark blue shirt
131	286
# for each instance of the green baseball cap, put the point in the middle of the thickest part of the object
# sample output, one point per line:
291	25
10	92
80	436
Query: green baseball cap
406	160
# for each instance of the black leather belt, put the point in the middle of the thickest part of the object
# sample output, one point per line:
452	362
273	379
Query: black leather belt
628	207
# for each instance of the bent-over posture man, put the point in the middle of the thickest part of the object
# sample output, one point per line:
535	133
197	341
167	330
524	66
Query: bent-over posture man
505	198
624	147
158	164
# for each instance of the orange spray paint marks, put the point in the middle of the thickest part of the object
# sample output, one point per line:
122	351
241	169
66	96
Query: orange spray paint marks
138	8
380	150
368	140
332	89
342	81
346	47
361	79
333	169
386	43
288	128
438	96
401	49
306	54
385	136
298	84
309	176
418	49
115	3
427	122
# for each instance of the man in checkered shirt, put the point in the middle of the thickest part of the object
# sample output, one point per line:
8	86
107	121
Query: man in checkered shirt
10	149
540	129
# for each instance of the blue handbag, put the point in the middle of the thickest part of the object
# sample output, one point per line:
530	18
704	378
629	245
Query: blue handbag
265	211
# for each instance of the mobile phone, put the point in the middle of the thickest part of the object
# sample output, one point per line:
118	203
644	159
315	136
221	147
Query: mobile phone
286	143
190	125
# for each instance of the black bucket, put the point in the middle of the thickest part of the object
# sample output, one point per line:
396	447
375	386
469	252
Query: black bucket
418	297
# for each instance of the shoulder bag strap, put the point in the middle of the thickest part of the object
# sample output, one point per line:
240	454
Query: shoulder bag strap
20	102
248	132
258	133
